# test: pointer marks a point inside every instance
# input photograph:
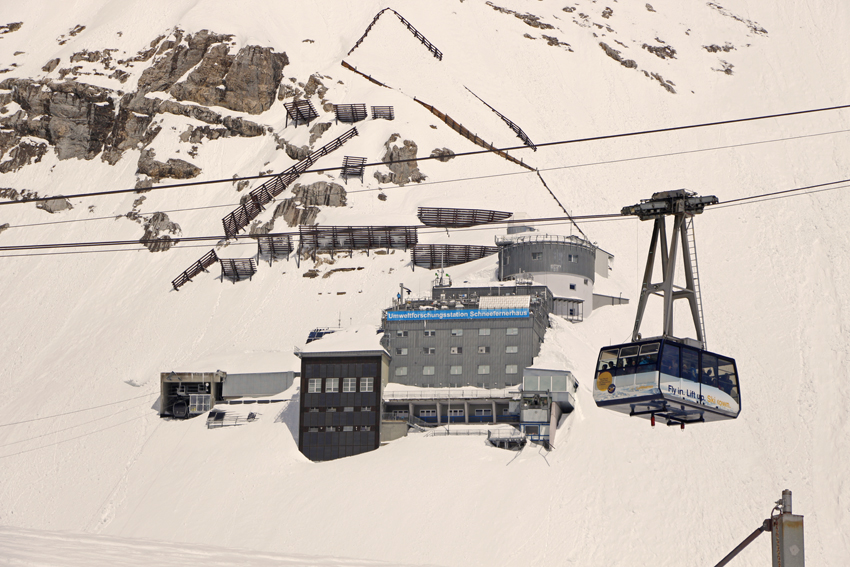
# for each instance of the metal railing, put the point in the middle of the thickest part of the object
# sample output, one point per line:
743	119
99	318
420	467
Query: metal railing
446	394
462	432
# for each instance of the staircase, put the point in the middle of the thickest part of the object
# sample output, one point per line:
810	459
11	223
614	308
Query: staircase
692	249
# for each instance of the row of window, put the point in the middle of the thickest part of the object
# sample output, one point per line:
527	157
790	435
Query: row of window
314	385
457	370
403	351
570	257
459	332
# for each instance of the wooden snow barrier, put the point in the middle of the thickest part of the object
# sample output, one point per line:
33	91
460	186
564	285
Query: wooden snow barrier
383	112
201	265
464	131
313	239
350	113
300	111
434	256
237	269
353	167
364	75
517	130
253	204
431	47
274	247
458	218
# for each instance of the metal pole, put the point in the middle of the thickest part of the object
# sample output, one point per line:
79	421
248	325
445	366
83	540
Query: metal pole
765	527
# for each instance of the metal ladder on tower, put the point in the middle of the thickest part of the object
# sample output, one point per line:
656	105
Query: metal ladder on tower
692	249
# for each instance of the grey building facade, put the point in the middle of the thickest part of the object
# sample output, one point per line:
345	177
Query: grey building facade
467	336
567	265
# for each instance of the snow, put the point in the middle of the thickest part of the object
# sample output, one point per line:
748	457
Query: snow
362	338
90	329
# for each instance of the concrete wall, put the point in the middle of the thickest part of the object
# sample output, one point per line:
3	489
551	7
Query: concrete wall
392	430
538	256
256	384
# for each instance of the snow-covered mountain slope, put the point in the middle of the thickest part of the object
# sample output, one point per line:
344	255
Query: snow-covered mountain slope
91	329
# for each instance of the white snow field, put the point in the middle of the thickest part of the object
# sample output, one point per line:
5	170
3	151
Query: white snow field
90	474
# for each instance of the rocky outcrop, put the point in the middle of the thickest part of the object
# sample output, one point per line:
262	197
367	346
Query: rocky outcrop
56	205
442	154
74	117
317	130
4	226
320	193
82	121
303	207
23	154
245	82
173	168
404	172
153	238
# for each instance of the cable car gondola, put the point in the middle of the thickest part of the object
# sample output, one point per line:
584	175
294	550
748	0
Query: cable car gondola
672	379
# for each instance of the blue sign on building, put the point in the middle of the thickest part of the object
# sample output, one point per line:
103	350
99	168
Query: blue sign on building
470	314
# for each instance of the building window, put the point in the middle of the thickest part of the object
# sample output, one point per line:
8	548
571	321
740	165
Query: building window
427	413
512	331
199	403
457	332
457	350
428	350
366	384
430	333
483	413
484	369
505	411
349	408
572	286
511	369
401	371
483	350
348	428
483	332
331	385
456	370
537	255
427	370
511	349
349	384
456	412
401	351
401	333
366	408
314	386
572	311
572	258
585	281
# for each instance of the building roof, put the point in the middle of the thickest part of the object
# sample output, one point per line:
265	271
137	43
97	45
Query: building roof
242	362
362	340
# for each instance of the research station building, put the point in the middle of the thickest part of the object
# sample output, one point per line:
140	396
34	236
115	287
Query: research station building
467	336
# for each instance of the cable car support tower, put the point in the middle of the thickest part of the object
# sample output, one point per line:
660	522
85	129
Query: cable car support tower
682	205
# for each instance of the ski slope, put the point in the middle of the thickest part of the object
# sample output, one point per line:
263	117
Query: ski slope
91	329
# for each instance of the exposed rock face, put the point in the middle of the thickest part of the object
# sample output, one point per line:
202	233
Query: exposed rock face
3	227
317	130
74	117
153	238
173	168
442	154
23	154
54	205
320	193
82	120
245	82
401	173
303	208
615	55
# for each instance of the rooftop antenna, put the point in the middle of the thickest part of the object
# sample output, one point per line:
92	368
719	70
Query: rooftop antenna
682	206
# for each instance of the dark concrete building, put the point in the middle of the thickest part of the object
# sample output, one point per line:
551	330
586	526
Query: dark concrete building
467	336
342	378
